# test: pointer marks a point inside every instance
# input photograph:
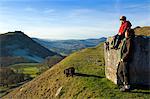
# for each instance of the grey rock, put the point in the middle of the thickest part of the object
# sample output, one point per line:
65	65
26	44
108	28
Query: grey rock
139	67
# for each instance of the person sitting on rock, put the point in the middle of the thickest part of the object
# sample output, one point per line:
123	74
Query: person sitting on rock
125	55
125	26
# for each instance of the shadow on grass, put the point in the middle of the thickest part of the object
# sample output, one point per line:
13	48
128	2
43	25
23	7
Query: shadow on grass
141	89
87	75
140	92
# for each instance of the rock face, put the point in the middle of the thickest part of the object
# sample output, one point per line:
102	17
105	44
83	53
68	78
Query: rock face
139	67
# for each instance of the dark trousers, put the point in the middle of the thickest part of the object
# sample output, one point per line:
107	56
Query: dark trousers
117	40
123	73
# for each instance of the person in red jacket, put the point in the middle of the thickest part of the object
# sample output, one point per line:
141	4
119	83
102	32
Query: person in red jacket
125	27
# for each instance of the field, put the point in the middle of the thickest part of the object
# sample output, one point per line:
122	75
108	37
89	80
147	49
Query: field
30	69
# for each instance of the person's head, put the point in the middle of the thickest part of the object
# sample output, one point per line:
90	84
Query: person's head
122	19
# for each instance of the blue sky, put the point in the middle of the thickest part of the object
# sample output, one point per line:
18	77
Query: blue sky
71	19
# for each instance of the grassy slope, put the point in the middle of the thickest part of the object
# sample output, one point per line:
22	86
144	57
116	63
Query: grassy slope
143	31
92	85
4	90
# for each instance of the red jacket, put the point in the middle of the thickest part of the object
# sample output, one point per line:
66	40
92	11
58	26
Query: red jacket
124	26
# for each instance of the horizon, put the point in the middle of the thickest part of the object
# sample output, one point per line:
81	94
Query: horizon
76	19
52	39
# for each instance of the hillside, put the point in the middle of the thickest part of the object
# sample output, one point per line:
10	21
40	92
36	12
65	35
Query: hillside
89	82
142	30
66	47
18	45
6	61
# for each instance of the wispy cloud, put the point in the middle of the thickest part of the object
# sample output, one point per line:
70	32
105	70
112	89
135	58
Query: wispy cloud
47	11
30	9
132	6
81	12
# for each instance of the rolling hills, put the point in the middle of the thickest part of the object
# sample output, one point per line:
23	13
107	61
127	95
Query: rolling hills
89	82
66	47
16	47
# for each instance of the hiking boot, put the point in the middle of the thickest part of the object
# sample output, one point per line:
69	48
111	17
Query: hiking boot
125	88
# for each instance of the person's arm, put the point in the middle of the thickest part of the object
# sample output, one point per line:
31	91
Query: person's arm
128	48
120	29
125	28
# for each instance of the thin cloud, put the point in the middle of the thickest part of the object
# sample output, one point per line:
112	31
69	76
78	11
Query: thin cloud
81	12
30	9
47	11
139	6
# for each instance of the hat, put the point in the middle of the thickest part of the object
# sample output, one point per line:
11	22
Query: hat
122	18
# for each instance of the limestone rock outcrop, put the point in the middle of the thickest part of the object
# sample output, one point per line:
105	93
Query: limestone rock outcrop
139	67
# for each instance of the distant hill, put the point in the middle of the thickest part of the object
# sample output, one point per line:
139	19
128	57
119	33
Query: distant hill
16	47
142	30
66	47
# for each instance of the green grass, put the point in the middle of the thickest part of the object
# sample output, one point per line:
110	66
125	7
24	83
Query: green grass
90	84
87	62
31	69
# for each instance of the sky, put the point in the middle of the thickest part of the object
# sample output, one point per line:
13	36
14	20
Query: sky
71	19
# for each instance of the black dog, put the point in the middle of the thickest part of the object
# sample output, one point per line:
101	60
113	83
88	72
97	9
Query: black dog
69	71
107	46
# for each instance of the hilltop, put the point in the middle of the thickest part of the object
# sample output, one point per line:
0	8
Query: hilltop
142	30
89	83
17	47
